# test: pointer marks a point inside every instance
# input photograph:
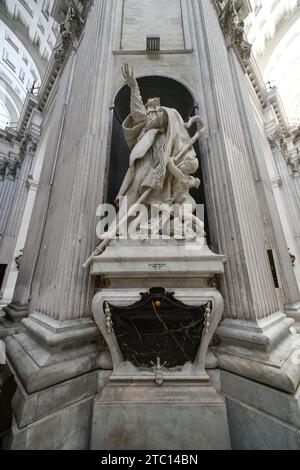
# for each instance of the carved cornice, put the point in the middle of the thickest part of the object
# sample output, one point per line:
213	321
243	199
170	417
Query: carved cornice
234	29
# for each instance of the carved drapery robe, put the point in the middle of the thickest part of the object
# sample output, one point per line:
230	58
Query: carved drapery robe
153	138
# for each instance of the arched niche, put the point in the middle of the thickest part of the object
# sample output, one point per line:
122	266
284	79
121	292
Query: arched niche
173	94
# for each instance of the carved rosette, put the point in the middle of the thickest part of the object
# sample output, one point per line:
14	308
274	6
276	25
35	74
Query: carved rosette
234	29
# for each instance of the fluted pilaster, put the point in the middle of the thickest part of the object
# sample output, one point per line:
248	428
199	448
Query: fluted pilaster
289	192
258	146
61	288
49	144
8	187
236	219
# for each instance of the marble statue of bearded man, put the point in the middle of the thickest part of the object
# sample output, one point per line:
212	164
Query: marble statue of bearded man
155	135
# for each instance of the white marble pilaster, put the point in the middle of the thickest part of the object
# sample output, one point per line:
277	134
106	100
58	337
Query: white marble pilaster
61	288
16	228
234	210
258	146
254	325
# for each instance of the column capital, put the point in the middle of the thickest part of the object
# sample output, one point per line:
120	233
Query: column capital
233	28
71	29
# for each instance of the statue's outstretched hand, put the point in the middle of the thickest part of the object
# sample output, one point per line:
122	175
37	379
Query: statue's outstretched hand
129	76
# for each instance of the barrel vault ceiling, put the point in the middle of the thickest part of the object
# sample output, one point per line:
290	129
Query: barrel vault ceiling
28	34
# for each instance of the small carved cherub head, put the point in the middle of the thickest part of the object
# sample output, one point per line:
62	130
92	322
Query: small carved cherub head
152	103
189	166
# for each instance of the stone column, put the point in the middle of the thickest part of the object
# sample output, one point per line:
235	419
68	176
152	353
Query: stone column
49	144
61	288
71	188
18	221
11	172
286	189
253	323
258	145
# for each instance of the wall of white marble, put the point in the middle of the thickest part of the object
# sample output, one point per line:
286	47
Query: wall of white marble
160	18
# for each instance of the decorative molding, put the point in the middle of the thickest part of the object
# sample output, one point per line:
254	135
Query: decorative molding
71	29
278	141
29	145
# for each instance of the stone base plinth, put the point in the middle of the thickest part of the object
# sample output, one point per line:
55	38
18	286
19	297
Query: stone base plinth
260	417
57	417
16	313
55	365
158	259
143	416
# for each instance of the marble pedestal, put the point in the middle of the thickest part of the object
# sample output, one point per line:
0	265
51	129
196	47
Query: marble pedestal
180	415
157	407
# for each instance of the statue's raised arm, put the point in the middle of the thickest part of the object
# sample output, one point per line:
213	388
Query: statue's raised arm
129	76
137	108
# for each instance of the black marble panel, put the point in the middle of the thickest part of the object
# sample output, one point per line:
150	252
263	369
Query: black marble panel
158	326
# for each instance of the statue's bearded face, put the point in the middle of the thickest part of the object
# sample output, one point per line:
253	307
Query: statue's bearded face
153	103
